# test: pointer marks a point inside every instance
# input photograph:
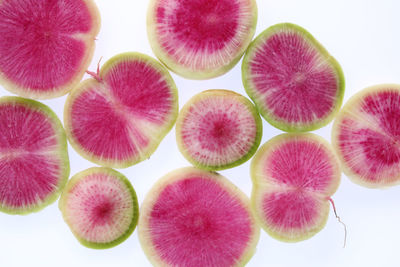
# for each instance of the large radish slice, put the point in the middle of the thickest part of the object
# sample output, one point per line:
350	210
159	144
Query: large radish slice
100	207
119	117
197	218
218	129
34	164
295	83
294	176
201	39
366	136
45	45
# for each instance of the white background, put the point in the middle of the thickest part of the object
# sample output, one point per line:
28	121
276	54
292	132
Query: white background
363	35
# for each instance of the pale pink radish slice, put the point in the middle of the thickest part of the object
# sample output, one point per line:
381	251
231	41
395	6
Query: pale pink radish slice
197	218
46	46
201	39
100	207
366	136
218	129
34	164
294	82
294	176
119	117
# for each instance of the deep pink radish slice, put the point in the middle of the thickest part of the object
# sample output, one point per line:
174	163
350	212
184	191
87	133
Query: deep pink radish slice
218	129
119	117
293	177
366	136
100	207
197	218
34	164
45	46
200	39
295	83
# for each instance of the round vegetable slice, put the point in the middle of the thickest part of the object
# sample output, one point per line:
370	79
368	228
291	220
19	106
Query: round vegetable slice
294	82
218	129
34	164
201	39
366	136
100	207
294	176
46	46
119	117
193	217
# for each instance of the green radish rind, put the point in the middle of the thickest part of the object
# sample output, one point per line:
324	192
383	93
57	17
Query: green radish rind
89	43
171	64
169	122
173	176
219	93
353	102
252	92
62	152
112	173
260	186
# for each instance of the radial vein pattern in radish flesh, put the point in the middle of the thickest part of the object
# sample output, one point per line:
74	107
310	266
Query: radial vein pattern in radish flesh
100	207
45	46
119	118
201	39
218	129
366	136
34	163
295	83
196	218
293	176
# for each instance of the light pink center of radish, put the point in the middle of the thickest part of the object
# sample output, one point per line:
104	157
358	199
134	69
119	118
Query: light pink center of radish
40	47
99	208
29	157
197	216
291	79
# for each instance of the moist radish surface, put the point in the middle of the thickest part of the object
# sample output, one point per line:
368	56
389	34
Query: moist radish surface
200	39
218	129
45	46
293	177
34	163
119	117
366	136
100	207
197	218
295	83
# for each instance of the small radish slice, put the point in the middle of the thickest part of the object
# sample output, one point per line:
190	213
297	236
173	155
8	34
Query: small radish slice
100	207
294	176
218	129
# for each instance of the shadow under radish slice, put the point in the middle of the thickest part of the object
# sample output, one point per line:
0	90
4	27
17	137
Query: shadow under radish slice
46	46
295	83
193	217
119	117
218	129
100	207
366	136
201	39
34	164
293	177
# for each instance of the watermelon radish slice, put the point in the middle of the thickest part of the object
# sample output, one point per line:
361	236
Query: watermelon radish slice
119	117
201	39
295	83
366	136
193	217
293	177
34	164
100	207
46	46
218	129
